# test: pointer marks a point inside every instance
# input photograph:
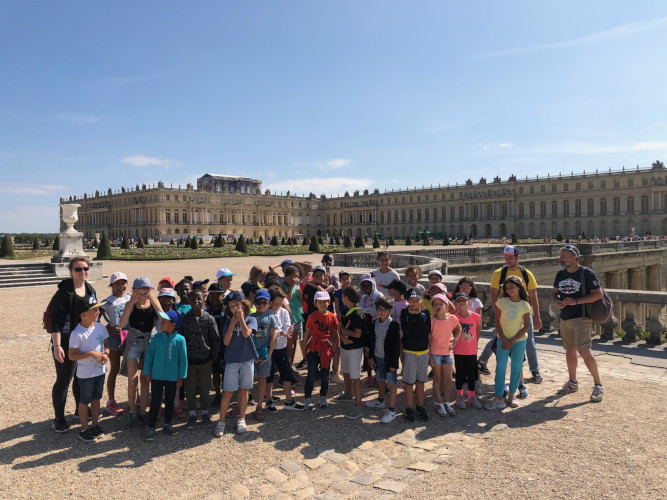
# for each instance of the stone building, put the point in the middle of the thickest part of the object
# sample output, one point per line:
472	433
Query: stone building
601	203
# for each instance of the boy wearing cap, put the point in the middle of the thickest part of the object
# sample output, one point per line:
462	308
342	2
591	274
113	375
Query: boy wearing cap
89	347
264	338
384	274
225	277
114	306
165	367
345	280
165	282
320	343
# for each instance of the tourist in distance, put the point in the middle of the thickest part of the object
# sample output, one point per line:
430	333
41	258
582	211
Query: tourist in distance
63	321
575	325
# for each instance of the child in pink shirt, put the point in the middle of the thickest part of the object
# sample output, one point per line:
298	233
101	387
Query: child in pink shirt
465	351
445	331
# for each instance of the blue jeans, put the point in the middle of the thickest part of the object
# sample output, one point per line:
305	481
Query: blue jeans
531	350
313	367
516	354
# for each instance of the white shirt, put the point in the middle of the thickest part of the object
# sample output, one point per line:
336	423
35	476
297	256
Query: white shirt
87	340
282	317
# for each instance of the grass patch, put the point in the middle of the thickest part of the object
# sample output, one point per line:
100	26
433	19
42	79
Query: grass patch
31	254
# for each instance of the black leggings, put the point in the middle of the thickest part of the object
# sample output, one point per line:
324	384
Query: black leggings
156	401
64	373
466	370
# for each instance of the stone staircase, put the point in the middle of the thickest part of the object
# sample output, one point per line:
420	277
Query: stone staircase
19	275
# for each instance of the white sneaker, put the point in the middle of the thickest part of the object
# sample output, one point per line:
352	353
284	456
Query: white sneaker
388	416
240	425
375	403
219	428
597	394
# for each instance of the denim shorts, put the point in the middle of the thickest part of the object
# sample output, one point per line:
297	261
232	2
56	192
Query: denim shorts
380	371
298	330
442	359
239	376
263	370
91	389
392	378
114	343
137	349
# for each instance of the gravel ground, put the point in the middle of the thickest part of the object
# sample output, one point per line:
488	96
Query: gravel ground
551	447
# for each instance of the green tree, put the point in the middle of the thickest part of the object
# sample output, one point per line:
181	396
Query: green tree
425	240
261	240
274	241
376	241
7	248
124	244
35	244
56	243
359	242
201	241
194	243
104	250
559	237
140	243
465	239
314	245
320	240
284	241
241	245
408	240
188	242
583	235
445	240
391	241
514	240
47	243
306	241
347	242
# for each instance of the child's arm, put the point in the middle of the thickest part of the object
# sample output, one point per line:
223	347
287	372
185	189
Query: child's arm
148	362
182	363
272	344
307	338
456	335
214	335
526	326
499	330
76	355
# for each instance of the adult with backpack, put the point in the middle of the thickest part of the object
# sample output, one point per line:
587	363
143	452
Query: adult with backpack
575	289
60	319
512	268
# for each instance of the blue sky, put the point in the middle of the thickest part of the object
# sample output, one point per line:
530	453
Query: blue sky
321	96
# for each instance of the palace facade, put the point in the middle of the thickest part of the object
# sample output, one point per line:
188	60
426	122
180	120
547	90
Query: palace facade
608	204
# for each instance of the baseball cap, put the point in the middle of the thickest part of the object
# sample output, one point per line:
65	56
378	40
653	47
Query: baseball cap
435	272
319	268
222	272
341	273
216	287
571	248
461	295
172	316
233	295
413	293
397	285
248	287
167	292
117	276
142	282
322	295
83	305
440	296
510	250
168	280
199	283
262	293
284	263
439	286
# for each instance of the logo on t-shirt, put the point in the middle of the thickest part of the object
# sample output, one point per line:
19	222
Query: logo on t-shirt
569	286
323	327
466	336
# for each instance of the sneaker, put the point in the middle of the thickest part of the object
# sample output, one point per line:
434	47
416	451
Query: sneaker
169	430
370	382
143	420
460	402
240	425
308	404
112	408
219	428
512	402
337	378
421	414
409	415
537	378
323	402
375	403
271	407
344	397
134	421
598	392
292	405
216	401
192	422
178	412
506	391
60	425
87	436
523	392
150	435
355	412
569	387
206	419
251	401
481	367
97	431
388	416
300	365
440	409
497	403
474	402
450	411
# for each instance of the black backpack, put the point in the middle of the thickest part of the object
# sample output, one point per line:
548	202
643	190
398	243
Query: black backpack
503	275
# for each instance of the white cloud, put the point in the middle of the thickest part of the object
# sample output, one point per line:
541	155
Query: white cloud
147	161
320	185
323	165
505	145
30	188
490	146
618	31
71	118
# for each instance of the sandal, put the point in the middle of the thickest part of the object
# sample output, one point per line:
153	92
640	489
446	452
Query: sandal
259	414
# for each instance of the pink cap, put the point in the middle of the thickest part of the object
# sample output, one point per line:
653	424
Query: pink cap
322	295
440	296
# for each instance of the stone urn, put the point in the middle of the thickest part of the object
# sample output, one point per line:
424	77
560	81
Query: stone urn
70	217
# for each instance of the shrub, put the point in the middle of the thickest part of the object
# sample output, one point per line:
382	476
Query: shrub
408	240
194	243
56	243
35	244
514	240
306	241
201	241
391	241
359	242
347	243
464	240
320	240
261	240
241	245
187	242
274	241
559	237
376	242
7	248
104	250
284	242
445	240
314	245
47	243
124	244
140	243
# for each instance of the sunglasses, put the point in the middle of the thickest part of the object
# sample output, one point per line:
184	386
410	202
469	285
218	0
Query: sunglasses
262	302
79	269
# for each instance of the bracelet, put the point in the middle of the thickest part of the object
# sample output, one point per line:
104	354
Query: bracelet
57	345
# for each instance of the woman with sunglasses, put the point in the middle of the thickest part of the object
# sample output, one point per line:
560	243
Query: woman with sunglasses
63	321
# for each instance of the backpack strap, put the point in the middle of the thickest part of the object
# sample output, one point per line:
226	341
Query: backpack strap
503	275
526	279
582	277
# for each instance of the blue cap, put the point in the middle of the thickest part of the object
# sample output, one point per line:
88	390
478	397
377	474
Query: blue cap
284	263
142	282
233	295
172	316
262	294
320	268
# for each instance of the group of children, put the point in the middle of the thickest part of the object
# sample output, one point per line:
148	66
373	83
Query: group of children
236	338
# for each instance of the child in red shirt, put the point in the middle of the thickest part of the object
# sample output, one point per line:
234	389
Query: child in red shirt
465	351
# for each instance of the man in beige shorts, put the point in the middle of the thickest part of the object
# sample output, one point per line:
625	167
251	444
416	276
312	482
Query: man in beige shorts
575	325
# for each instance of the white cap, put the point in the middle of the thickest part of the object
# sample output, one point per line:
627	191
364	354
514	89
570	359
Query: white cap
222	272
117	276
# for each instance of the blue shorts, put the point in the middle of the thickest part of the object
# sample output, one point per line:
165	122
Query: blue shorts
392	378
239	376
114	343
264	369
91	389
380	371
298	330
442	359
138	348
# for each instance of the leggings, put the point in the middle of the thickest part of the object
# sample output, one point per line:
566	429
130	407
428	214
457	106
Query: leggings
516	354
64	373
157	386
466	370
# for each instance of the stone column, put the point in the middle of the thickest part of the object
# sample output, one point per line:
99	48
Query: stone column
653	324
629	325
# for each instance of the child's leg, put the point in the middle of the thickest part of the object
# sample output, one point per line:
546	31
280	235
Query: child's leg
460	373
216	384
392	396
437	384
190	384
132	382
169	396
347	384
143	391
420	393
114	368
261	392
517	354
156	402
224	404
324	380
356	384
382	389
83	415
313	359
447	382
243	402
336	362
408	389
95	410
204	384
501	369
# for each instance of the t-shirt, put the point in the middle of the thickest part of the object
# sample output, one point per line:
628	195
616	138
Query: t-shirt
383	279
262	335
495	279
351	321
511	316
87	340
294	303
396	309
240	348
338	301
467	343
475	305
309	307
569	285
441	334
282	318
182	308
114	308
323	325
381	329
